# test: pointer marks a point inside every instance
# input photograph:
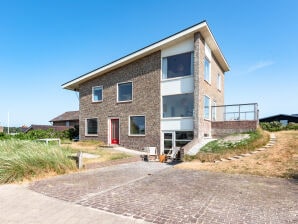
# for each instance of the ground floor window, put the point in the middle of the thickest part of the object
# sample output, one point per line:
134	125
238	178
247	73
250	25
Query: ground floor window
91	126
137	125
176	139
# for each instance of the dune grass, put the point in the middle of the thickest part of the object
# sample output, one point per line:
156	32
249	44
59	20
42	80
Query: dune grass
21	160
219	149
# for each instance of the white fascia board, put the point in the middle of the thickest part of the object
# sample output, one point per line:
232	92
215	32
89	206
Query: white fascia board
154	47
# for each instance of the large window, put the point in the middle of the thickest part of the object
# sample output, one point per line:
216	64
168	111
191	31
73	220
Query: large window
137	125
97	94
181	105
91	126
177	65
124	92
206	107
207	70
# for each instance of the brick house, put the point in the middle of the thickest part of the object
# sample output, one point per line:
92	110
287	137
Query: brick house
158	96
69	118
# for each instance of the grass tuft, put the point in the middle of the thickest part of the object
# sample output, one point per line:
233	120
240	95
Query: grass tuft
218	149
21	160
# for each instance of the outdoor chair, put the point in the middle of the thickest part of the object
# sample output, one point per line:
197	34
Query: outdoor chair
172	154
152	153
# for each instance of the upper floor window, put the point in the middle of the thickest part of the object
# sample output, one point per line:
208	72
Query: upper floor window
91	127
218	82
207	70
124	92
206	107
181	105
97	94
137	125
177	65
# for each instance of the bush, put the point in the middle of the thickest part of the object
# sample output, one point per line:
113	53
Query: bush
277	126
272	126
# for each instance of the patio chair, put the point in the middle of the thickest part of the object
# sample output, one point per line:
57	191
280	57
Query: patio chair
152	153
172	154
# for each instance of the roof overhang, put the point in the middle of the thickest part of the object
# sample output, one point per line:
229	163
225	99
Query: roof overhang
164	43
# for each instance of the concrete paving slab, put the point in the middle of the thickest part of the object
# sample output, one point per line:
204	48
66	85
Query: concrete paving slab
21	205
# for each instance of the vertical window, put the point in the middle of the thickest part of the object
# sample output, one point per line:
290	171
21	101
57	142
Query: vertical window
97	94
218	82
206	107
137	125
207	70
177	65
181	105
91	126
213	109
124	92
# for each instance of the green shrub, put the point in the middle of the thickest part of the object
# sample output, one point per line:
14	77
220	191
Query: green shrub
272	126
21	160
277	126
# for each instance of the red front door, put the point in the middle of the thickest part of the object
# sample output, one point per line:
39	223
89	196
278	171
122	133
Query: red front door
115	131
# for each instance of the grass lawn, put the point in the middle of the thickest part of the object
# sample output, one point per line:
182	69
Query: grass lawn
230	146
23	160
96	148
281	160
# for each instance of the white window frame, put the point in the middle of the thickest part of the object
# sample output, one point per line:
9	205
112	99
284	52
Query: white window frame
170	118
125	101
93	88
140	135
213	115
86	126
209	110
209	74
219	82
164	64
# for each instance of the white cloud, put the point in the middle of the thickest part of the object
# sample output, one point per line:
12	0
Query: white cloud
259	65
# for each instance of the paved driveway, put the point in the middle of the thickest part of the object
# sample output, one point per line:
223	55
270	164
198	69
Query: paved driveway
158	193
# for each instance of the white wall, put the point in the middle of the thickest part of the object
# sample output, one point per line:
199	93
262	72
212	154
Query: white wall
177	86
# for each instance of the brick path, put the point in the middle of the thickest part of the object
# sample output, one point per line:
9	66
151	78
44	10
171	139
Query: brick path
155	193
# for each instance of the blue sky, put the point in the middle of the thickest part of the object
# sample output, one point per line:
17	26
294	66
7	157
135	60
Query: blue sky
44	44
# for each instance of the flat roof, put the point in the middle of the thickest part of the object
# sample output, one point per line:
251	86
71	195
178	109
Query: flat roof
201	27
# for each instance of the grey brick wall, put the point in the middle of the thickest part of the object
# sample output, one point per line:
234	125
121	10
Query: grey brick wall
145	75
201	125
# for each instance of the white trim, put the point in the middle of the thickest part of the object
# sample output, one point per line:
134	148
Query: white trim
137	135
201	27
86	127
93	87
126	101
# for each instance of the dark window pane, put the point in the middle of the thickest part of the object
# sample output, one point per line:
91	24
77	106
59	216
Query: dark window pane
184	135
178	65
181	105
125	91
92	126
137	125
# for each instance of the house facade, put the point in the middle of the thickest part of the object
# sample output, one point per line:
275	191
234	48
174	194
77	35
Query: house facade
158	96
